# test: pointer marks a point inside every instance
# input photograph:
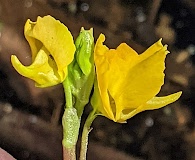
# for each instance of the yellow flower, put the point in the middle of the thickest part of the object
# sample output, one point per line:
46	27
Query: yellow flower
127	83
52	48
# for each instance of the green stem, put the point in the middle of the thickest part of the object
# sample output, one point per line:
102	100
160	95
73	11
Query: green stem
68	93
85	134
70	124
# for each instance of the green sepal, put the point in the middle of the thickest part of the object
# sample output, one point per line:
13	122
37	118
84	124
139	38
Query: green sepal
71	124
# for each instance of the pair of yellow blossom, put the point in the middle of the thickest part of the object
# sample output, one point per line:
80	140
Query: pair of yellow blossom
126	83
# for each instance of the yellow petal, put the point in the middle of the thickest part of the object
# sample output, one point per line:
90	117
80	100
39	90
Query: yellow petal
34	43
120	62
100	49
99	52
142	82
154	103
152	49
159	102
43	71
102	85
53	35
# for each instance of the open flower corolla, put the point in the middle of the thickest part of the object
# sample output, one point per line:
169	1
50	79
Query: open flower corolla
127	83
52	49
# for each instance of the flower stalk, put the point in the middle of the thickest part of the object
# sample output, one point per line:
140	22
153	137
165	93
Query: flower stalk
85	134
71	124
68	93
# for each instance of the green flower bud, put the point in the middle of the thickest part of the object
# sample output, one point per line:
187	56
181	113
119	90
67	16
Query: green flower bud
81	71
84	49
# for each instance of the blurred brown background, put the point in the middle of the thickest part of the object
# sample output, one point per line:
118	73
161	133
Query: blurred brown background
30	118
